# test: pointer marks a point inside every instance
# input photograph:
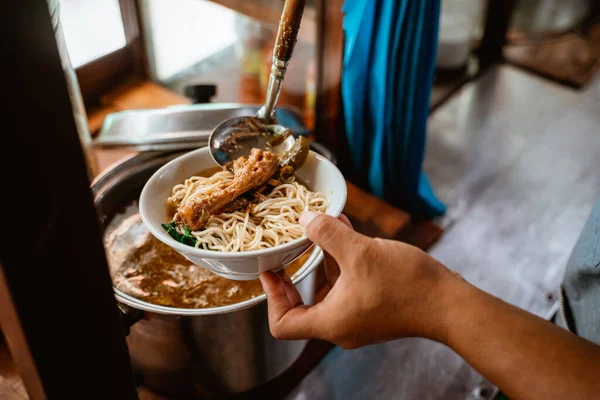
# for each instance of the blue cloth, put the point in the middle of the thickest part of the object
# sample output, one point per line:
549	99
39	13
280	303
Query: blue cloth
389	64
359	18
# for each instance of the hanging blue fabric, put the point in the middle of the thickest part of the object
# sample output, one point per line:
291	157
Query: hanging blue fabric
399	136
359	21
432	206
389	64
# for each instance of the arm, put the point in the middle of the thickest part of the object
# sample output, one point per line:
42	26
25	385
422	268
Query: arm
397	291
526	356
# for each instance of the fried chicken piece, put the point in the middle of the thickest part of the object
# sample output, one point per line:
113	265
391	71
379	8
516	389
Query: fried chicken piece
248	173
235	205
244	201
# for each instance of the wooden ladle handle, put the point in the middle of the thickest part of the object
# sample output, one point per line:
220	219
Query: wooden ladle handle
289	25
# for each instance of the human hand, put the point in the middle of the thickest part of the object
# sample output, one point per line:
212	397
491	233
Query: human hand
383	290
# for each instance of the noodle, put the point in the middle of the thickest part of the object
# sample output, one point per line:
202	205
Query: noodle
271	222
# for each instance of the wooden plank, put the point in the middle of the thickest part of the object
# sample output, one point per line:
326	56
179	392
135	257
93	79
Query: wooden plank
269	12
96	77
571	59
96	117
422	234
141	95
106	158
12	386
329	124
372	216
146	394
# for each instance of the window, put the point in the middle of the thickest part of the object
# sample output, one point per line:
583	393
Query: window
103	41
92	29
186	32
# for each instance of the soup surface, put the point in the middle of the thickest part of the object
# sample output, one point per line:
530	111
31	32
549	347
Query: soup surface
145	268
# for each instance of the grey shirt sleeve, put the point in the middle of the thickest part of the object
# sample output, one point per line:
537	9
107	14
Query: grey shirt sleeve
580	291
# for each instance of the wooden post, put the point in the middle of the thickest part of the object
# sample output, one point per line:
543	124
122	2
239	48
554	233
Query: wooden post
329	124
497	21
60	317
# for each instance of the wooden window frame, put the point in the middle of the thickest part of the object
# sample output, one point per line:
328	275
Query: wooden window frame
99	76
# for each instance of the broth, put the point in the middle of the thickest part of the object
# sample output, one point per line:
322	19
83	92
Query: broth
145	268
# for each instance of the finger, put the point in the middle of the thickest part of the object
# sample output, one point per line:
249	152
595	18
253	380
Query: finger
285	320
278	301
290	290
331	234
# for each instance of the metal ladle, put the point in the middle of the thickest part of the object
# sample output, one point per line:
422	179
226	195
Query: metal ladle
238	136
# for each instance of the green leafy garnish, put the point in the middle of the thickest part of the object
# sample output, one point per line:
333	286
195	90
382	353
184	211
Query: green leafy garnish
186	238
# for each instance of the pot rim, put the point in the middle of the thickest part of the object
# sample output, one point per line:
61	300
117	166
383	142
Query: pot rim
315	259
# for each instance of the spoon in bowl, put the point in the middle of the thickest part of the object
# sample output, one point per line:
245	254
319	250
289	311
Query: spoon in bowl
236	137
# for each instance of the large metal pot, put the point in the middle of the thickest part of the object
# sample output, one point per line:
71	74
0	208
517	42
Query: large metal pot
196	353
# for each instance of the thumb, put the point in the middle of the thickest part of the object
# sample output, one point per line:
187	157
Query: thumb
288	317
331	234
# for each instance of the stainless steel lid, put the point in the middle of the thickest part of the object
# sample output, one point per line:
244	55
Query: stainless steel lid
179	127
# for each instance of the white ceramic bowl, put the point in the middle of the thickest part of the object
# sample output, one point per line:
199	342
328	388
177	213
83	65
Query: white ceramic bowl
318	173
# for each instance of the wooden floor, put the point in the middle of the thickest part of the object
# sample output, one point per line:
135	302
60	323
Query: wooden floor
517	159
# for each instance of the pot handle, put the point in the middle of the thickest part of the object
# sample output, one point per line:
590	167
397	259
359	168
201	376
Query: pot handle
129	316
